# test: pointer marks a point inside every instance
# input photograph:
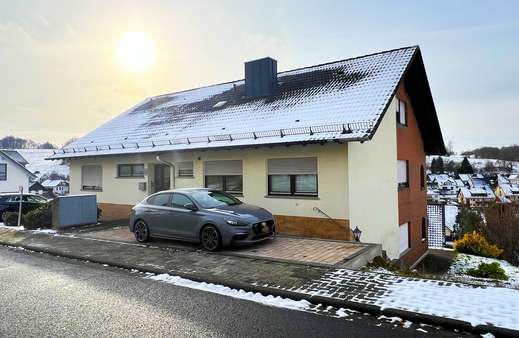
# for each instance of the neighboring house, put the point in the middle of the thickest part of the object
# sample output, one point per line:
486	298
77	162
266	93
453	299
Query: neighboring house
13	174
36	188
476	197
58	187
344	140
513	179
508	192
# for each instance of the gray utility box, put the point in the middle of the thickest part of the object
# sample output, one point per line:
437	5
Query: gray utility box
68	211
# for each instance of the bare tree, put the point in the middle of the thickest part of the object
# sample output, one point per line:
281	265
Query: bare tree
502	229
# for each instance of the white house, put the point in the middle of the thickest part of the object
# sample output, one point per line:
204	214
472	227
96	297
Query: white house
325	148
13	174
58	187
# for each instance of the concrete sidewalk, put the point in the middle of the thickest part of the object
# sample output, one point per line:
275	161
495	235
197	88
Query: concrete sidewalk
362	291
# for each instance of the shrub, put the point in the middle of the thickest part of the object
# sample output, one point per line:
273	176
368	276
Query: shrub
11	219
475	243
381	262
38	218
488	270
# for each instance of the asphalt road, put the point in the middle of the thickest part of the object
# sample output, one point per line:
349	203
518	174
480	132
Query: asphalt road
46	296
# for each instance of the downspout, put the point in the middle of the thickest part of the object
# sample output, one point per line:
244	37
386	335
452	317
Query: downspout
170	165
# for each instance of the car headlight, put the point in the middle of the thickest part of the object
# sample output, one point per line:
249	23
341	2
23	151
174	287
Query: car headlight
235	223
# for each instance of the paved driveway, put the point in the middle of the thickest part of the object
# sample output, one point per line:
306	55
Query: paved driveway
282	248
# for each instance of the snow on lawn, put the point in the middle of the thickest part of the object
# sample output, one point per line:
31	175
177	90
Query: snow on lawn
463	262
2	225
240	294
21	228
476	305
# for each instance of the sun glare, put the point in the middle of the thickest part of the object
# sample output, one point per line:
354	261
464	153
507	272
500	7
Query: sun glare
136	51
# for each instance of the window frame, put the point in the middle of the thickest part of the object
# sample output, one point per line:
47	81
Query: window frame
293	192
179	170
224	183
406	184
132	170
424	229
91	188
180	206
4	176
399	113
422	177
169	203
400	251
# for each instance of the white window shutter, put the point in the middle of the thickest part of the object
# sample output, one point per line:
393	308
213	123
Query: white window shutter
92	175
293	166
402	171
223	168
404	237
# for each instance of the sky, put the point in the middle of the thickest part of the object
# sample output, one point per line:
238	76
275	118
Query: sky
62	76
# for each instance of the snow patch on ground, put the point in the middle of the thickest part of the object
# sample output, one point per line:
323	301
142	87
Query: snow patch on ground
390	319
476	305
45	231
2	225
270	300
382	270
463	262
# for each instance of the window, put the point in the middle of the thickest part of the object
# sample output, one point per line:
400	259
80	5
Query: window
401	114
404	237
403	173
422	178
213	199
3	171
292	176
424	229
180	200
160	200
224	175
184	169
92	177
130	170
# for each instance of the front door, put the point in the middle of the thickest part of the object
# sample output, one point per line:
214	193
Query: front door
162	177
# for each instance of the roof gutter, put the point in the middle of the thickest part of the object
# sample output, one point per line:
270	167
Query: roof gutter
170	165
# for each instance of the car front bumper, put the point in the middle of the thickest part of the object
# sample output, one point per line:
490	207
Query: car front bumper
250	234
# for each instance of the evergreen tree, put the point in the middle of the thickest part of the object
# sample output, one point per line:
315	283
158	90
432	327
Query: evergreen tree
466	167
434	166
441	166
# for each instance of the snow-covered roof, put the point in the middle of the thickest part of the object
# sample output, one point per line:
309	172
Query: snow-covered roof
52	183
39	165
15	155
483	192
343	100
4	155
510	189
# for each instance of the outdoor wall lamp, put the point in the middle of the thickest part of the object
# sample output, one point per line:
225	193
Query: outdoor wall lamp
356	234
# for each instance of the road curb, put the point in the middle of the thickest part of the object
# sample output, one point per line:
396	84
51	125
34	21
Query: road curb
314	299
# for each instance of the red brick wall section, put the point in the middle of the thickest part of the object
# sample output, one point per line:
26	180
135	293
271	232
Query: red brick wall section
412	201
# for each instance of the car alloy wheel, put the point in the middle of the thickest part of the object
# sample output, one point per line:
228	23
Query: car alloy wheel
141	231
210	238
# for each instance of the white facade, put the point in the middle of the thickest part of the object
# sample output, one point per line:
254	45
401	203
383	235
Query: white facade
16	176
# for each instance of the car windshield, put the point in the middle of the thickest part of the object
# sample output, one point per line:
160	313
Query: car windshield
211	199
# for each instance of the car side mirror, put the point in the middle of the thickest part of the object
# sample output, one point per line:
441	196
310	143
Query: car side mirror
190	206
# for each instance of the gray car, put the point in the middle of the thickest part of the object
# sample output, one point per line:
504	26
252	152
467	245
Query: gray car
209	217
